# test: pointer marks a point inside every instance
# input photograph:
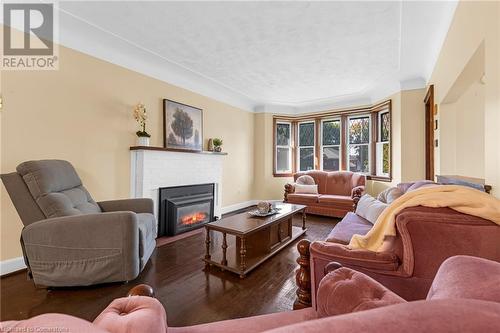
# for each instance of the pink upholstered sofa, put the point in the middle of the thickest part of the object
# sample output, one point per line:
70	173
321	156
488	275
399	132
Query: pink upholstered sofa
338	192
425	237
465	297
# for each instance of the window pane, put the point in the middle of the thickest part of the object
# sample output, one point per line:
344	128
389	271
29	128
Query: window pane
282	134
358	158
385	126
306	156
385	158
282	159
331	132
359	130
331	158
306	134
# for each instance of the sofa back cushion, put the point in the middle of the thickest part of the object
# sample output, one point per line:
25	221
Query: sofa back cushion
370	208
342	182
335	182
318	176
467	277
56	188
305	180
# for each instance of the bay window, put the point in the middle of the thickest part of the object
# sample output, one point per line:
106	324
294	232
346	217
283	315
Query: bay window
357	140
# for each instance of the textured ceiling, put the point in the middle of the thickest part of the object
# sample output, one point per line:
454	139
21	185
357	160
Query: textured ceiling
290	53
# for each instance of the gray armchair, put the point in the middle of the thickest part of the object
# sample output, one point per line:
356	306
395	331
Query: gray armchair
68	239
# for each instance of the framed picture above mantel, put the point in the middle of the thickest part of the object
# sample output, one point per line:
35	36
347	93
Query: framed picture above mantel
182	126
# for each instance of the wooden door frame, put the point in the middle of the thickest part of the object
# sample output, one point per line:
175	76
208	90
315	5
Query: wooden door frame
430	108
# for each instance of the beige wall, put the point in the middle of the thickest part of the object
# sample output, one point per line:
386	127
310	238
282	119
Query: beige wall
461	134
475	25
82	113
408	140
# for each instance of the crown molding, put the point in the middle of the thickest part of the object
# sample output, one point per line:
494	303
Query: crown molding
87	38
83	36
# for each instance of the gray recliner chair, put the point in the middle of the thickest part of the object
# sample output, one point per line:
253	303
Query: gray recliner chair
70	240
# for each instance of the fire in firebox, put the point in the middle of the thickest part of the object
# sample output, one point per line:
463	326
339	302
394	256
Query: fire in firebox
194	218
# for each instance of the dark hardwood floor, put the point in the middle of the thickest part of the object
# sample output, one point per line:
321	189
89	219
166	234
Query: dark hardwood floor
189	295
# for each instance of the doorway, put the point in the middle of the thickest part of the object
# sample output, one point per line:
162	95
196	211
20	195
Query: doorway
429	133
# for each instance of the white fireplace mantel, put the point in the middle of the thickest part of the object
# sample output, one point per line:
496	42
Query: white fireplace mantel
152	168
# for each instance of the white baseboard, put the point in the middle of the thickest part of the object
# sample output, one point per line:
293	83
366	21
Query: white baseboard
241	205
11	265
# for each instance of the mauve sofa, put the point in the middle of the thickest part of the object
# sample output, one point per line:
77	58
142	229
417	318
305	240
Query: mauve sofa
338	192
425	237
465	297
68	239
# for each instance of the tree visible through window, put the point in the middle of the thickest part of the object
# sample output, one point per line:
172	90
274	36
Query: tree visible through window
283	148
330	145
353	140
359	144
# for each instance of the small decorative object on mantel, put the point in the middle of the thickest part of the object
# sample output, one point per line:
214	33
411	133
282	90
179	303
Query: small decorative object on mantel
217	144
182	126
141	116
210	145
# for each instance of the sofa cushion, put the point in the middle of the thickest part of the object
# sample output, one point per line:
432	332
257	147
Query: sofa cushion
350	225
389	195
56	188
147	231
370	208
335	199
450	180
305	180
306	189
467	277
303	198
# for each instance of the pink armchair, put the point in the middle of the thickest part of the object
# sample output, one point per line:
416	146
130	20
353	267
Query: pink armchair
465	296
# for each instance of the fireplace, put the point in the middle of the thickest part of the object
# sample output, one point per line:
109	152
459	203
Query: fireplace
184	208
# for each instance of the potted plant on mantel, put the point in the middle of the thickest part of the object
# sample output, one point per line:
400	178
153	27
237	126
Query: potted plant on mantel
141	116
217	144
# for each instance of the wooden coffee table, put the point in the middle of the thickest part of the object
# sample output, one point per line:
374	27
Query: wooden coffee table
257	238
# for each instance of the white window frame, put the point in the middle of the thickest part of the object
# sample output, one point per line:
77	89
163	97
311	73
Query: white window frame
322	146
369	144
299	169
380	147
289	146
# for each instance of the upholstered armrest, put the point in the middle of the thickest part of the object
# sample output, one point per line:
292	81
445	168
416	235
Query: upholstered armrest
289	188
345	290
133	314
384	261
139	205
84	242
357	192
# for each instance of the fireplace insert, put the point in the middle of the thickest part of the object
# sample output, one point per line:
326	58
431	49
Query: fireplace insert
184	208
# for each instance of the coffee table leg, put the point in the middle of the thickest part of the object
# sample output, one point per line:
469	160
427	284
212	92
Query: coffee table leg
243	251
304	219
224	248
207	253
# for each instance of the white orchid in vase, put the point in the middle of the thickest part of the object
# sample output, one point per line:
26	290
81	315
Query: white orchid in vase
140	115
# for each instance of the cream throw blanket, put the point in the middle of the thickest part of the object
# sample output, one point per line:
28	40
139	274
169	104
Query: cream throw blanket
460	198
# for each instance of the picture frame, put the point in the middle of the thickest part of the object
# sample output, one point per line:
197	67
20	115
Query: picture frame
182	126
